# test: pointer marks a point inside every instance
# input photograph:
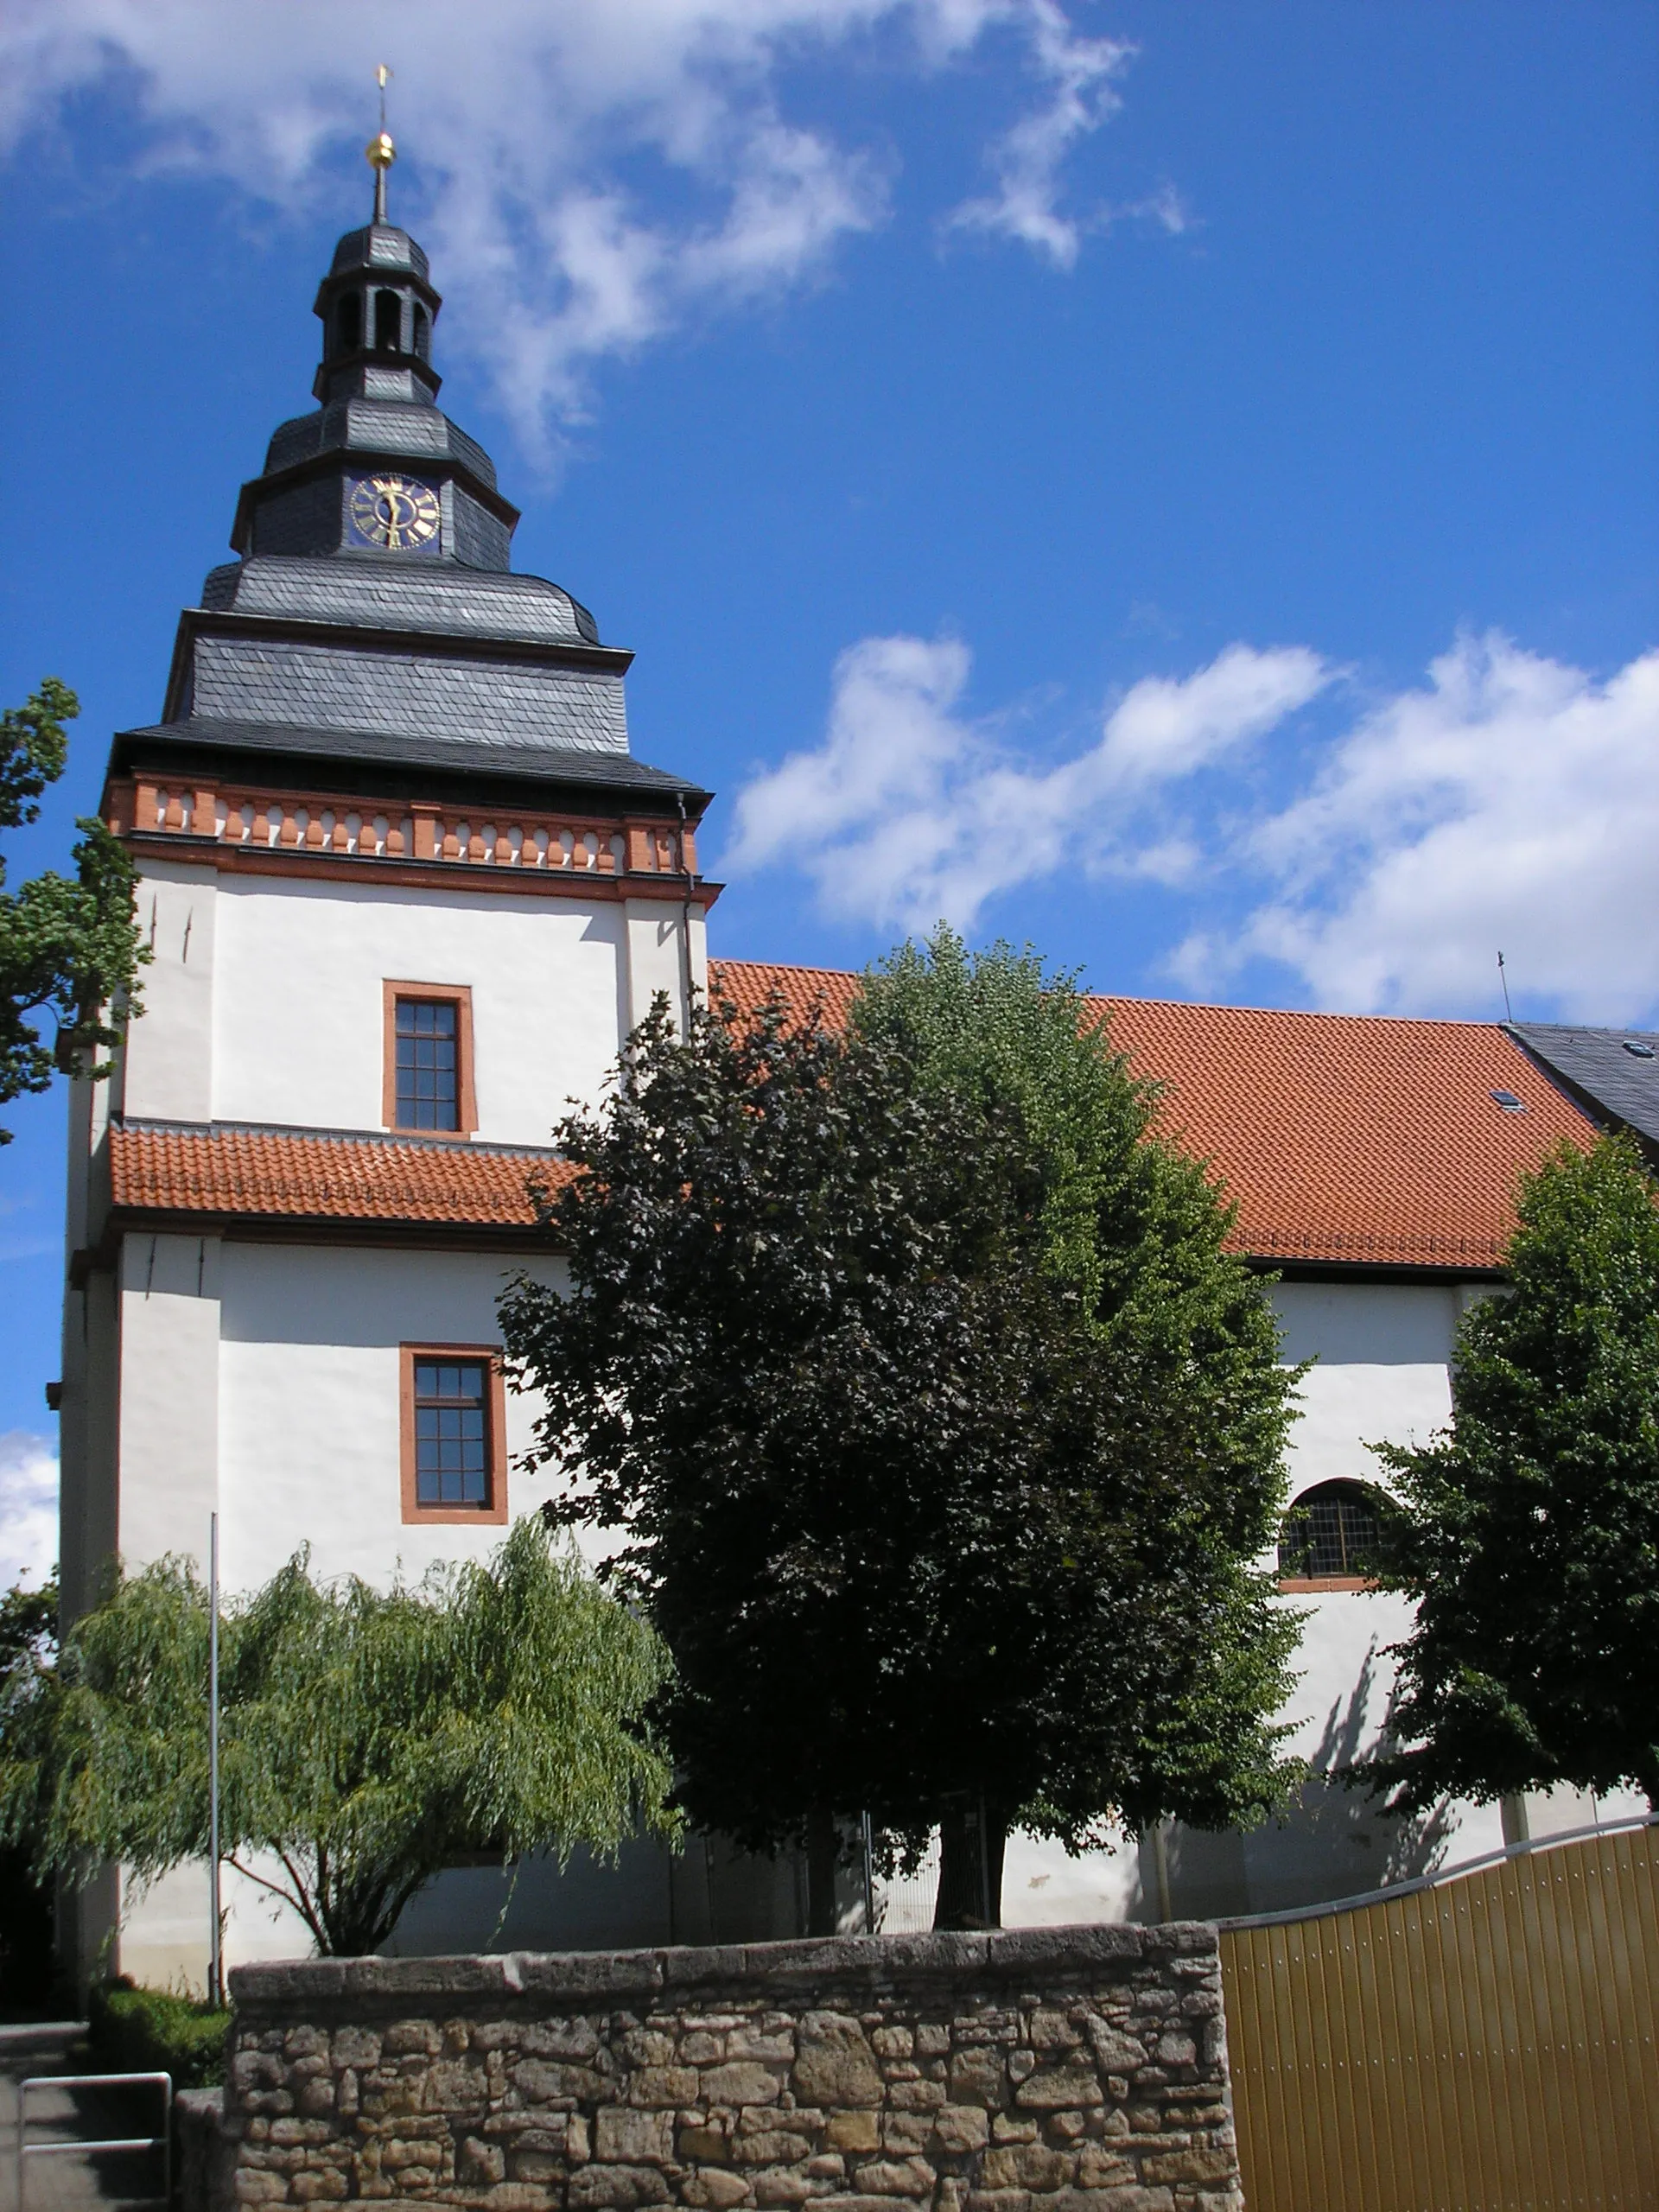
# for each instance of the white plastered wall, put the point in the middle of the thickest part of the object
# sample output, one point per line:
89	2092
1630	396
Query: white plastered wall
656	958
168	1471
168	1061
309	1383
299	1021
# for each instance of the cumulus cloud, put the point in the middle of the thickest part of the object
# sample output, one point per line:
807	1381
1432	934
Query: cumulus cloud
1027	161
910	810
29	1508
1509	801
591	174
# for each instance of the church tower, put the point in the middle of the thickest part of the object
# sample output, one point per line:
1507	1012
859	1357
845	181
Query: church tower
407	889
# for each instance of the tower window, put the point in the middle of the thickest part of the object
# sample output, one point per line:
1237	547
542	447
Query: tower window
1332	1533
422	333
451	1432
388	323
348	322
428	1051
428	1070
453	1438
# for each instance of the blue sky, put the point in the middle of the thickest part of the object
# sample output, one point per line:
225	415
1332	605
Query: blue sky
1175	483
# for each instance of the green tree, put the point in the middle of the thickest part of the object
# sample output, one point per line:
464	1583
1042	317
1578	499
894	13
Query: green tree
69	948
942	1428
368	1738
1528	1534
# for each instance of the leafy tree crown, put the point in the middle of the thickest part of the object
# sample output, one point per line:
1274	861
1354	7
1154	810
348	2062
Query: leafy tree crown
70	948
1528	1532
942	1427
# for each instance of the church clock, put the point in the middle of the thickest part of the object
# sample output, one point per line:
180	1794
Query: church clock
398	513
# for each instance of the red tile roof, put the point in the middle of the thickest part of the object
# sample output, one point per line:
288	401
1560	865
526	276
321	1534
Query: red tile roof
1341	1137
230	1170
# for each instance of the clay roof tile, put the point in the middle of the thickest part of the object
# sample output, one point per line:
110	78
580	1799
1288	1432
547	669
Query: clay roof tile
1340	1137
232	1169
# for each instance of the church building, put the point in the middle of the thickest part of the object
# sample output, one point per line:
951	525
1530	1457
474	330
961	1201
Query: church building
408	889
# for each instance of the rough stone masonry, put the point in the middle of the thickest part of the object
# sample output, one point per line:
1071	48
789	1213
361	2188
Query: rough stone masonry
1079	2070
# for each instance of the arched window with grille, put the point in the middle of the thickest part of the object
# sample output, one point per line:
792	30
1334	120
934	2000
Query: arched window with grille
1332	1533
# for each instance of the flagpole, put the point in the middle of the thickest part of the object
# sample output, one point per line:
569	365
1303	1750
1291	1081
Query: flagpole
215	1961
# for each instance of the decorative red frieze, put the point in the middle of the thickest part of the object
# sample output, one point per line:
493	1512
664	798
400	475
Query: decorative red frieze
254	819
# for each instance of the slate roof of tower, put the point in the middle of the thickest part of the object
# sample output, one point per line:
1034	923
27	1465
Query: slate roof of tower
384	592
547	766
415	429
350	685
1342	1139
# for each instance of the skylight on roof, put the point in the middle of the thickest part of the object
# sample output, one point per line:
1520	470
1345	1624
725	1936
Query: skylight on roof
1509	1103
1638	1050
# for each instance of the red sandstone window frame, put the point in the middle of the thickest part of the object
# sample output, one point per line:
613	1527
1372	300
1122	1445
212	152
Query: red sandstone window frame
493	1512
459	995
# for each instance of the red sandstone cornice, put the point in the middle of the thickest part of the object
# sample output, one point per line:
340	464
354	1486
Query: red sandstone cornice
264	828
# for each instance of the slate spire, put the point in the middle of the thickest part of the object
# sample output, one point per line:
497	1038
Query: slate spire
377	468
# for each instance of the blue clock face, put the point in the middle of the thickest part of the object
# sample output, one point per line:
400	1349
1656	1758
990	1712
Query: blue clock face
397	513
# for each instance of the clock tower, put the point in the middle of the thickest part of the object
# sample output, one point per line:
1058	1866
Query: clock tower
376	466
407	888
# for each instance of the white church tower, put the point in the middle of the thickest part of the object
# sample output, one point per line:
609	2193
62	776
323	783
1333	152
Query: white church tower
407	888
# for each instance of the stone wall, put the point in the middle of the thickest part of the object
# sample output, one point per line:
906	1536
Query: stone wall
1078	2069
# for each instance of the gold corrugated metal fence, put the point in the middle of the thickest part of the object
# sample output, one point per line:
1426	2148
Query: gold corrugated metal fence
1485	2044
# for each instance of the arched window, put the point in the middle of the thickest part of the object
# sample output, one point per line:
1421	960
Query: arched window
348	322
422	333
1331	1533
388	323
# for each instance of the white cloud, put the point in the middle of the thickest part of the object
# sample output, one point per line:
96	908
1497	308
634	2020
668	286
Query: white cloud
909	811
1027	161
1512	801
591	173
29	1508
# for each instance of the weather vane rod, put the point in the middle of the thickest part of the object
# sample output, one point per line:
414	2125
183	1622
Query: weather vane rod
380	153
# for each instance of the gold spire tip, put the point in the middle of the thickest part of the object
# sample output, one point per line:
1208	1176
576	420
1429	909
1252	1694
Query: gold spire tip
380	153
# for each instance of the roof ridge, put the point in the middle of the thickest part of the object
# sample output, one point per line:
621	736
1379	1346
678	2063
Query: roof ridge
1130	998
400	1140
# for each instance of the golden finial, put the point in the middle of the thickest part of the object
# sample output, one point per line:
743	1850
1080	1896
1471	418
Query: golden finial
380	153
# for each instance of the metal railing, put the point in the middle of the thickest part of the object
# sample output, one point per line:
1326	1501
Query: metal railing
163	2142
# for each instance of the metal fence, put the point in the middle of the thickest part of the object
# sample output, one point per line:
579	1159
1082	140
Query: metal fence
74	2146
1483	2041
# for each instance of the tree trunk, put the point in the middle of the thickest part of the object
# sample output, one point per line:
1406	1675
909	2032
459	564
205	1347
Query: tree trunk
823	1850
973	1842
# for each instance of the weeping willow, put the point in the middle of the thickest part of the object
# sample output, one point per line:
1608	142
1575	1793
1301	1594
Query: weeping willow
367	1738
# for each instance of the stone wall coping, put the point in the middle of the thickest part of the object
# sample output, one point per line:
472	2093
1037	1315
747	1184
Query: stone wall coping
818	1962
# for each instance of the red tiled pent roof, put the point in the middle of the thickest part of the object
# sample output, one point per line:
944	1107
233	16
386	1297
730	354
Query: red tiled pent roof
1341	1137
231	1170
